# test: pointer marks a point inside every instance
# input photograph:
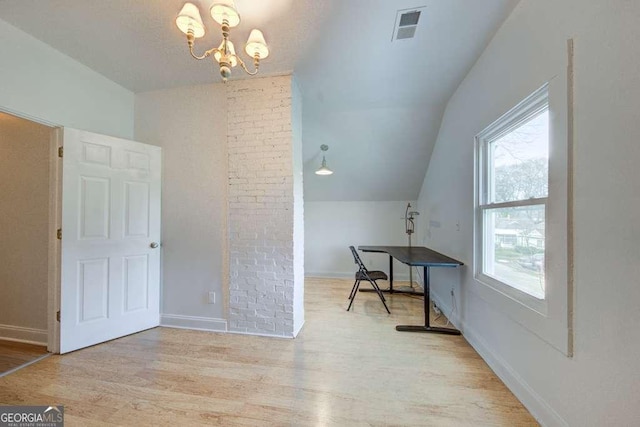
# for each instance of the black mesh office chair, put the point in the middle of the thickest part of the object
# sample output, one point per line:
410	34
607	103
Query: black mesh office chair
370	276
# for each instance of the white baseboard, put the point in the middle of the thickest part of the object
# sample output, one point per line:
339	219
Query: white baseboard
211	324
329	274
538	407
535	404
445	308
350	275
193	322
260	334
25	335
297	331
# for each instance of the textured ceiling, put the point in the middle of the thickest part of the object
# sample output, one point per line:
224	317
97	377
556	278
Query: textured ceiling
377	104
137	44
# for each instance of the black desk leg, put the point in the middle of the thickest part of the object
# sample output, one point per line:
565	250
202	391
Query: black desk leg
409	291
390	274
427	327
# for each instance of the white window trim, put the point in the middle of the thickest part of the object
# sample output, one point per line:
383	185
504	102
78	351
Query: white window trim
527	109
548	318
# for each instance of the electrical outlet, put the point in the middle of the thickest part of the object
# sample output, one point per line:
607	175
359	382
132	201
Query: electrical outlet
457	225
452	292
212	297
436	309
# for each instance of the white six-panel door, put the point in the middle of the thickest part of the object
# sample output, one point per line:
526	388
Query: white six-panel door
110	238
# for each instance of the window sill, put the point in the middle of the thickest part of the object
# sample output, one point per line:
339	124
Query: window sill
538	305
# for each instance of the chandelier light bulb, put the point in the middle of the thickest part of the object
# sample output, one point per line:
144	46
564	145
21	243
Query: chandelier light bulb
231	53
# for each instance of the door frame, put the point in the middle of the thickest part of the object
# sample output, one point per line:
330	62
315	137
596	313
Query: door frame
54	220
55	244
54	258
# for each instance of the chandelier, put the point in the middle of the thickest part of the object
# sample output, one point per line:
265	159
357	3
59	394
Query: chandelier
224	13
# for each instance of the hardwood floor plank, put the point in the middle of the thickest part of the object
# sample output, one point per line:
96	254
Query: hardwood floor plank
344	369
14	354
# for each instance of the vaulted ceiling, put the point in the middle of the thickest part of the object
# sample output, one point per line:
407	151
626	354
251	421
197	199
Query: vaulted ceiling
375	102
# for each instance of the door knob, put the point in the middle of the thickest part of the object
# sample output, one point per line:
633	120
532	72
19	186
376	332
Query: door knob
153	245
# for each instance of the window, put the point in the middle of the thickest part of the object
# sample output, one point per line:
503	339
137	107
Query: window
512	196
523	213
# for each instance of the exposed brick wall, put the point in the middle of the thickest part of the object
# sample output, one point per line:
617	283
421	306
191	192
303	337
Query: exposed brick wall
261	206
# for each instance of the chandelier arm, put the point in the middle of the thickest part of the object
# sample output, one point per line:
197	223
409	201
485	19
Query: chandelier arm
191	42
204	55
244	67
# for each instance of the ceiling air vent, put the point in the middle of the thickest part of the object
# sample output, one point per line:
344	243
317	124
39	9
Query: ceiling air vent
406	23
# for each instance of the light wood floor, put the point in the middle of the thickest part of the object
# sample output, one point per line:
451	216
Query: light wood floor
15	354
344	369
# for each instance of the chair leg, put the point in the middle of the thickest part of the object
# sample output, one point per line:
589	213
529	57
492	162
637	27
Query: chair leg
376	288
355	292
352	289
379	292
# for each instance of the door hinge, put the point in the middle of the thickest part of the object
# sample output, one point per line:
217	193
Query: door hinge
59	234
60	151
58	315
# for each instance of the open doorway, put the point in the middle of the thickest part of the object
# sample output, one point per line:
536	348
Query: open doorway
25	207
81	235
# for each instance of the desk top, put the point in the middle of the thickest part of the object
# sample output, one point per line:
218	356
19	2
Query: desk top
414	255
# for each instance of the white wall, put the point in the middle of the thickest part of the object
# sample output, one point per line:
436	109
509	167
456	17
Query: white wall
331	227
215	202
190	124
24	214
599	385
37	81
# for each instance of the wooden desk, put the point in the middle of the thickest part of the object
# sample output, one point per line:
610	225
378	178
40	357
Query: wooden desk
417	256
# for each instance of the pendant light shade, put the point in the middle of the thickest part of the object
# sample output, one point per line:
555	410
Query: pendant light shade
225	10
189	19
324	170
256	45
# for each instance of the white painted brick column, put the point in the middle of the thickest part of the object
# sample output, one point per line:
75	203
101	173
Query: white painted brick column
264	268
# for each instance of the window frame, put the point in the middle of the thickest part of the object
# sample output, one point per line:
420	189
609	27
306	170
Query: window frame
551	320
524	111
